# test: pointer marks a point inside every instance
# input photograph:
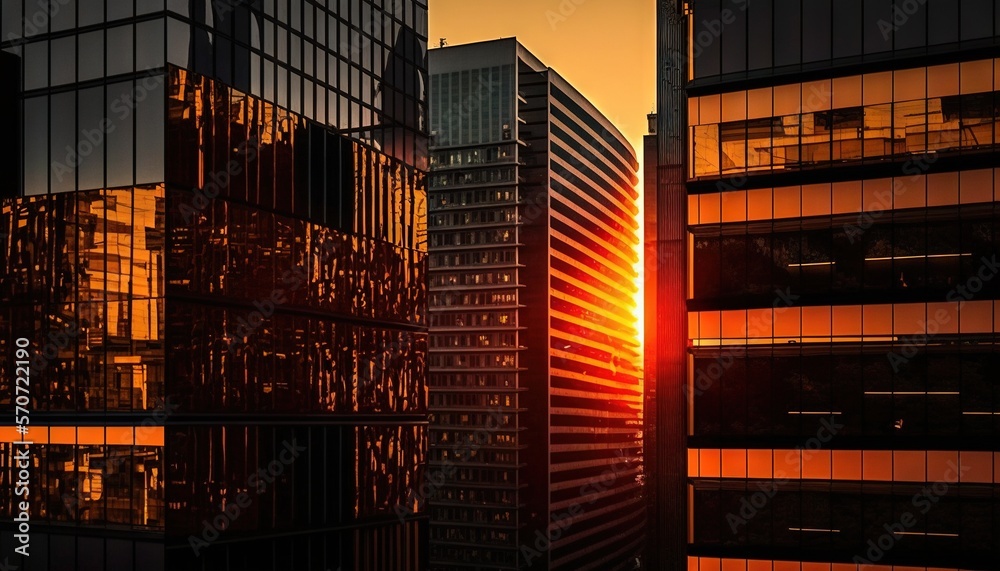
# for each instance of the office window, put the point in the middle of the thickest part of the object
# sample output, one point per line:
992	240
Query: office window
788	42
759	29
943	15
816	20
847	31
976	19
913	32
877	35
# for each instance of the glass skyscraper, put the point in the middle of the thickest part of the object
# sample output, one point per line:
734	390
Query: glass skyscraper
835	164
536	394
213	235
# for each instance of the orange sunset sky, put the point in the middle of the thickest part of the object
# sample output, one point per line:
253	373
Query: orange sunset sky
605	48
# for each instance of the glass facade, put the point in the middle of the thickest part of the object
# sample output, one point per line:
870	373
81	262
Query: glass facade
840	168
214	235
520	237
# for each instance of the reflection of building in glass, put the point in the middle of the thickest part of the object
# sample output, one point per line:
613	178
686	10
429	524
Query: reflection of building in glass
216	246
536	396
841	170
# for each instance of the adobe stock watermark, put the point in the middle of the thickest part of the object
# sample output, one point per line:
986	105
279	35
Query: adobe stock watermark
960	294
38	21
705	378
440	476
589	493
292	280
139	434
882	200
750	507
94	138
563	12
258	483
901	14
386	360
56	341
705	34
923	501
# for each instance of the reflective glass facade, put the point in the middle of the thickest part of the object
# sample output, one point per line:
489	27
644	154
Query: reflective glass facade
840	398
534	365
213	232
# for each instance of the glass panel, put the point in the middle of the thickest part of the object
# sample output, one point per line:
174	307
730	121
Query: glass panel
63	143
878	37
759	27
816	19
977	19
787	43
36	65
120	50
118	10
178	42
120	114
910	24
734	52
91	55
90	140
91	12
149	52
148	6
706	47
944	15
36	146
10	20
149	139
62	14
63	61
847	28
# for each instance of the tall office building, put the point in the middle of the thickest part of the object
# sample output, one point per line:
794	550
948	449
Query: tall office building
841	171
216	252
536	396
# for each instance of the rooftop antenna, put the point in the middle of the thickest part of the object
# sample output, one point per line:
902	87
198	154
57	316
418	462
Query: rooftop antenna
442	42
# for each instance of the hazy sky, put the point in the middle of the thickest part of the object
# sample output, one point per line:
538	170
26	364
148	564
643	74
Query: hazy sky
604	48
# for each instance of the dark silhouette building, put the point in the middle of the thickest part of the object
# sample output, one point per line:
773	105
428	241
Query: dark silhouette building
536	394
213	238
839	407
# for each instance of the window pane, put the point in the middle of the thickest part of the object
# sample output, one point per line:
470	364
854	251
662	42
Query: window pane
910	32
91	55
36	65
878	35
759	28
944	16
10	20
149	52
63	142
91	12
977	19
847	16
178	43
119	50
149	138
706	51
63	14
816	19
120	113
118	10
90	139
787	43
63	61
36	145
734	48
